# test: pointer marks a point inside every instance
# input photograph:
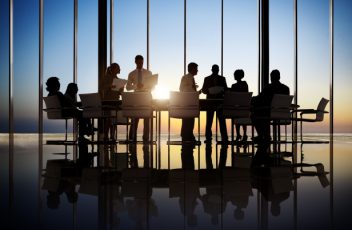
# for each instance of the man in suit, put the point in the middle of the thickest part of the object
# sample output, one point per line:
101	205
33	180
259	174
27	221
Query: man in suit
135	82
215	80
188	85
264	100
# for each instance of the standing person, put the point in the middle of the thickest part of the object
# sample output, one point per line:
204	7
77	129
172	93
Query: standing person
215	80
264	99
188	85
110	93
135	82
240	86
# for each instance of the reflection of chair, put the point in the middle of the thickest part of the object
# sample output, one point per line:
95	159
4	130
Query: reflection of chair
237	106
54	111
138	105
318	113
183	105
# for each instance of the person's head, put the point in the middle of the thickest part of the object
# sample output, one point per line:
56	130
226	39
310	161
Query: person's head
192	68
238	74
114	68
275	75
72	89
139	61
215	69
52	84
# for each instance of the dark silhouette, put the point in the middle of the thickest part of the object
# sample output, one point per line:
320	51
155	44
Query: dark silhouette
71	93
109	93
240	86
264	100
188	85
135	82
215	80
68	105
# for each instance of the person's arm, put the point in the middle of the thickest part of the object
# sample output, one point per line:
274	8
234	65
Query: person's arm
130	82
182	84
246	86
205	88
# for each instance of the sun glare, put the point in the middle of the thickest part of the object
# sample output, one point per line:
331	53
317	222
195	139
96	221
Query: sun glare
161	92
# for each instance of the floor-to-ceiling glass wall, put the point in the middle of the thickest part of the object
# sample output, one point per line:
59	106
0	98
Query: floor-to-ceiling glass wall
313	58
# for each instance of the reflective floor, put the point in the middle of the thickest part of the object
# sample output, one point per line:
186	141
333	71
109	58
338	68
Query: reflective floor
174	187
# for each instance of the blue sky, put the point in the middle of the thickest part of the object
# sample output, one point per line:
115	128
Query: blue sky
166	48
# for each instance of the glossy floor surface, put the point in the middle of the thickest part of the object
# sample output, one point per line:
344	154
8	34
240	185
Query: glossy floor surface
157	186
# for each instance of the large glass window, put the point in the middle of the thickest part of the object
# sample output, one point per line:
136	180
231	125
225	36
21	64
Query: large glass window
281	37
25	85
4	66
203	36
58	48
313	57
87	64
241	41
130	34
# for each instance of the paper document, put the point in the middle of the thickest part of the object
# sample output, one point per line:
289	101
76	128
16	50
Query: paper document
150	81
118	83
216	90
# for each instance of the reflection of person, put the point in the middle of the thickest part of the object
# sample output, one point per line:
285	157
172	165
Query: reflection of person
188	85
264	99
240	86
135	82
214	80
53	88
109	93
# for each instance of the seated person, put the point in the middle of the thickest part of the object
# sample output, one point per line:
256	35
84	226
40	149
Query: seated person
53	88
240	86
264	100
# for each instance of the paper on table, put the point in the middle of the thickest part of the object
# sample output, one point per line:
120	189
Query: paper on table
216	89
118	83
150	81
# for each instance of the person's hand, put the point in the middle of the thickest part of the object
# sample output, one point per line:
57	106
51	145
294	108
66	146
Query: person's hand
121	90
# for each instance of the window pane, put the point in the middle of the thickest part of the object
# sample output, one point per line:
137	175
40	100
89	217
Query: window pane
313	57
58	49
25	85
203	36
4	66
281	36
130	34
241	41
87	64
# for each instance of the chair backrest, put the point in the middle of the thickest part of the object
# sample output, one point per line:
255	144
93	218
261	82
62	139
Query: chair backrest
90	100
53	107
320	109
183	104
237	104
280	107
137	104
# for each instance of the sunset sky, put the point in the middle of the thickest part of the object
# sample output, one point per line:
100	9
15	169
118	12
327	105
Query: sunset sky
166	48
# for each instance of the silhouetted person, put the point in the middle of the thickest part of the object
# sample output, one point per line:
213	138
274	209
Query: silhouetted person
71	93
53	88
136	82
110	93
240	86
215	80
264	99
188	85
